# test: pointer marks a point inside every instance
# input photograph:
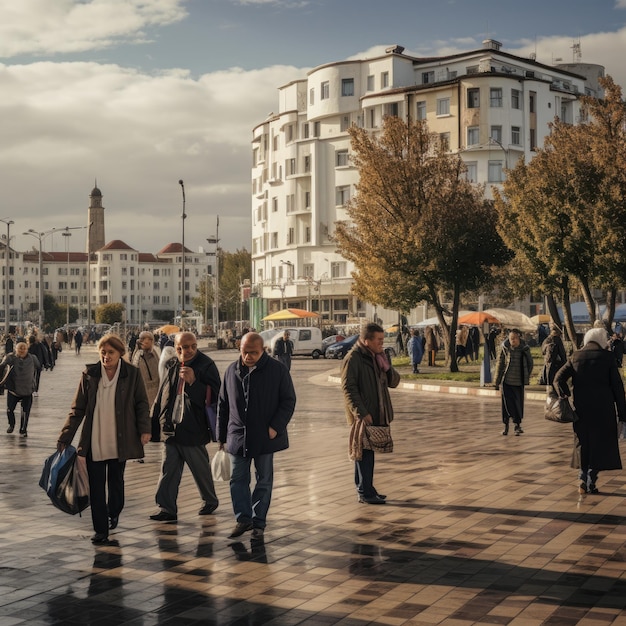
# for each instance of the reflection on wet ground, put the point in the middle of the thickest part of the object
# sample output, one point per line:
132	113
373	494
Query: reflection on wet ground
479	529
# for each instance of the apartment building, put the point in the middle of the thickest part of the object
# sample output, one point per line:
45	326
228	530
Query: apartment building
148	284
490	106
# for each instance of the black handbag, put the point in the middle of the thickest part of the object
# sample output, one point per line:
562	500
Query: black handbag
559	409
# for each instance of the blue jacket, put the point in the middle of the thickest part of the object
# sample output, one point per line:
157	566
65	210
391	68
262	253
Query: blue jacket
415	349
252	401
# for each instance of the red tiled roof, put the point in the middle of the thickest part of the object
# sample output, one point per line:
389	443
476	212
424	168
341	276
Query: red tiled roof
116	244
173	248
147	257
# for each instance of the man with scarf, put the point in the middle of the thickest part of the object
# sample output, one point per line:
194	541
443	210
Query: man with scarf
366	376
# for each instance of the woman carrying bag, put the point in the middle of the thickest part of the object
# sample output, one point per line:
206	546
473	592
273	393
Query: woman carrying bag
111	398
599	402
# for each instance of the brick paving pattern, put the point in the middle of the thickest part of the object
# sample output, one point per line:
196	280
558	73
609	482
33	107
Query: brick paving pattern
478	529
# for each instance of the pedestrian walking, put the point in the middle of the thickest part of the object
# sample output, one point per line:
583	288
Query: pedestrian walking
415	349
112	405
20	384
366	376
515	365
283	349
180	408
256	403
146	358
599	402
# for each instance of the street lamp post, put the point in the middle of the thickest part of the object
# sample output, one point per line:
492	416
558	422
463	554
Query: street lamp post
215	241
67	235
39	236
182	282
7	256
505	150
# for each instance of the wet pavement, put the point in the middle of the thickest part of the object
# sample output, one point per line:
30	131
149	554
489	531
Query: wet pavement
478	528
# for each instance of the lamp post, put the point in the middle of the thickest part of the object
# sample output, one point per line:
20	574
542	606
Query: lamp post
505	150
39	236
7	257
89	273
67	235
215	241
330	275
182	282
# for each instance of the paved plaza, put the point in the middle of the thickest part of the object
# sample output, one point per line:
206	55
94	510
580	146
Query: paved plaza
478	528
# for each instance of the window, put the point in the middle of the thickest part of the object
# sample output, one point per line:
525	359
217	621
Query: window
290	167
496	133
533	139
516	100
443	106
305	130
307	163
307	234
428	77
370	82
274	240
123	257
107	257
341	158
338	269
316	129
347	86
124	285
290	132
325	90
345	123
473	135
291	202
62	285
444	141
307	270
516	136
495	174
421	110
275	143
311	96
384	79
531	101
472	171
291	236
307	199
342	195
473	98
495	97
274	205
124	271
392	108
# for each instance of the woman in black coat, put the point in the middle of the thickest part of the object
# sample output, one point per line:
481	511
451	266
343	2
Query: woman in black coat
599	401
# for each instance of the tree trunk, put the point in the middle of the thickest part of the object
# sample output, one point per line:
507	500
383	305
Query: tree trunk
609	315
553	310
456	298
589	301
567	314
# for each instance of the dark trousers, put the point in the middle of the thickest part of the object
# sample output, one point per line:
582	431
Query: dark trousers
364	475
12	402
432	354
512	403
105	476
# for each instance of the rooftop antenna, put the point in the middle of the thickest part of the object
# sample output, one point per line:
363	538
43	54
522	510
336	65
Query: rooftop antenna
577	54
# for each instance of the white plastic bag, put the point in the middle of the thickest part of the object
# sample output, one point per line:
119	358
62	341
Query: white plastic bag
220	466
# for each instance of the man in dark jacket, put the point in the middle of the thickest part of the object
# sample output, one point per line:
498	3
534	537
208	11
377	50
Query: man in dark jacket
283	349
256	403
366	376
180	407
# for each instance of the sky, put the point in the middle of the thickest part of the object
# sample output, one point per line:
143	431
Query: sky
138	94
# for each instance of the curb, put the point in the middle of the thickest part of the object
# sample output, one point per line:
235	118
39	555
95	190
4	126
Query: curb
532	396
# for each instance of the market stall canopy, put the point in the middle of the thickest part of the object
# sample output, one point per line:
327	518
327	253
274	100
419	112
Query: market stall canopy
542	318
513	319
168	329
434	321
477	318
289	314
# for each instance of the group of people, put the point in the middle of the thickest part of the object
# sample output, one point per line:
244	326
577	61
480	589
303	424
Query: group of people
20	374
597	396
255	401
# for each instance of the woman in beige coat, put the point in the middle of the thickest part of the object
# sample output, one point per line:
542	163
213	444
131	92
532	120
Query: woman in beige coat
111	399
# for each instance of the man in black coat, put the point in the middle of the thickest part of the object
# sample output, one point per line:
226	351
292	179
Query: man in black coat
181	408
256	402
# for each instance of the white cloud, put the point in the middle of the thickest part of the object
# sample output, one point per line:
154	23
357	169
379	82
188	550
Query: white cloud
63	26
620	4
65	124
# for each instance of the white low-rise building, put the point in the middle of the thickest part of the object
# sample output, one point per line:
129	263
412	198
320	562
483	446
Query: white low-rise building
490	106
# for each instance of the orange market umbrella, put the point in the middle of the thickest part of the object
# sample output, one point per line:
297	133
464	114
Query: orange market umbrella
289	314
168	329
477	318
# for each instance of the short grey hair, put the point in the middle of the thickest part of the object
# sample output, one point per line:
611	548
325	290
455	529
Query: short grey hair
597	335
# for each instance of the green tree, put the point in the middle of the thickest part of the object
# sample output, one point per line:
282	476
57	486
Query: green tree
419	229
110	313
564	213
234	268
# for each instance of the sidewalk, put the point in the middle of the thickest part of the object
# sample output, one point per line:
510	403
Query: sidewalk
478	529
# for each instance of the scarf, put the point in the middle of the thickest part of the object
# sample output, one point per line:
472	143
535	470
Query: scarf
103	430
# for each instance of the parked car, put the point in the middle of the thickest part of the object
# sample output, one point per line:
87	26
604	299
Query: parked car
329	341
339	349
307	341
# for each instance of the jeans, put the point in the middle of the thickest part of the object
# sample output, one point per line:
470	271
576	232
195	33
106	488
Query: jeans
364	475
252	507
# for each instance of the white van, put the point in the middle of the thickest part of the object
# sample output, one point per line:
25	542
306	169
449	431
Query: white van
307	341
